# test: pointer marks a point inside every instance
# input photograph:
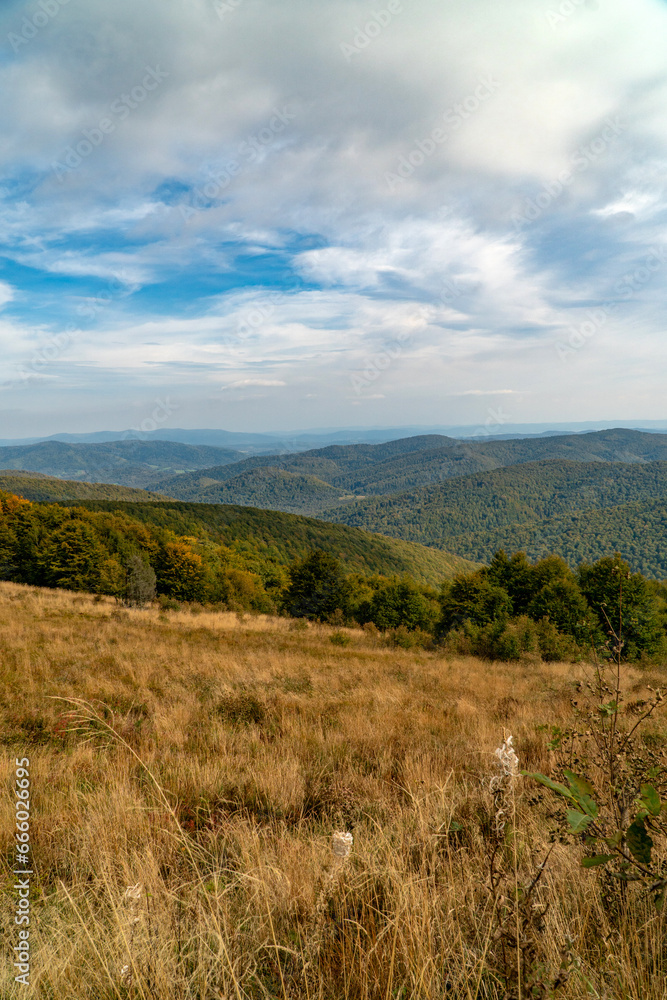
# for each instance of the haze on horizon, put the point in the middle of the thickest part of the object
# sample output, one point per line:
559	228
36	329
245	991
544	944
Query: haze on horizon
277	213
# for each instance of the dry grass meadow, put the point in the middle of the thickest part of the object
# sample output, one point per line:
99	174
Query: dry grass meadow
238	747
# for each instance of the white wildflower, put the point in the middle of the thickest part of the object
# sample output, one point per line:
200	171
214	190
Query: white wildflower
508	760
133	891
341	844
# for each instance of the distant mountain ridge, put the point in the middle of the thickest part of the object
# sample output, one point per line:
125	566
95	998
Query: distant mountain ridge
48	489
126	463
397	466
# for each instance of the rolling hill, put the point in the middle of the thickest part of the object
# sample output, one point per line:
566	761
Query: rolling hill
48	489
125	463
268	488
262	536
397	466
578	510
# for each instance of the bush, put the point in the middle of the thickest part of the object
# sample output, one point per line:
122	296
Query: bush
340	639
406	638
243	708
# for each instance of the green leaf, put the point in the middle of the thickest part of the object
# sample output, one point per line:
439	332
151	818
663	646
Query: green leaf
639	842
553	785
596	860
608	709
578	821
615	840
651	799
583	792
578	784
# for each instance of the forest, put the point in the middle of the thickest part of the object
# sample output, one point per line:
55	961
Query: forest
241	561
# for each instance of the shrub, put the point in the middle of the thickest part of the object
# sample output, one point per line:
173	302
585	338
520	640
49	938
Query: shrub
340	639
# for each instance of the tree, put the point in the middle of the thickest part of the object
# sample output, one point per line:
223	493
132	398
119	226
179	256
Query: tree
623	602
473	598
317	587
401	602
562	602
181	572
73	556
515	575
139	581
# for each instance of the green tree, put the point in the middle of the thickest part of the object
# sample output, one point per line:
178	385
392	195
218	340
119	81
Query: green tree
73	556
563	604
317	587
139	580
402	602
473	598
622	600
515	575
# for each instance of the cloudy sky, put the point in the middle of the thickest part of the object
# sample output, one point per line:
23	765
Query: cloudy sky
281	214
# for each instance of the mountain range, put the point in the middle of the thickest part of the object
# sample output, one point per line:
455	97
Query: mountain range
580	495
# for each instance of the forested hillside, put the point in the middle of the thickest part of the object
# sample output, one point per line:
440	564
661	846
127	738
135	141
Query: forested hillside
577	510
127	463
271	489
36	486
234	556
273	538
398	466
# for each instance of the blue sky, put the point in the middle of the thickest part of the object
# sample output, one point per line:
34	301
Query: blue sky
279	214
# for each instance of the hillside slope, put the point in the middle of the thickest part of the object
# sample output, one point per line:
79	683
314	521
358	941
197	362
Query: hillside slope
268	488
552	506
126	463
263	536
49	489
406	464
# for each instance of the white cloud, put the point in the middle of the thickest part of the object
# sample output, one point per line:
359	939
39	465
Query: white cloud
291	145
6	293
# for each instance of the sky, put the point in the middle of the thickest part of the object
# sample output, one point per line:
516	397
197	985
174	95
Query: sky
264	215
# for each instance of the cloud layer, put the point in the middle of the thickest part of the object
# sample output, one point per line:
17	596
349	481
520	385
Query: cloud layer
286	214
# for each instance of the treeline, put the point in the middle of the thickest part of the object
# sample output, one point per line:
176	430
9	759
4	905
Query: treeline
109	552
507	609
502	611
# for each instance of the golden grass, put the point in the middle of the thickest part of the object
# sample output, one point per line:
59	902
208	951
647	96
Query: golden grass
242	744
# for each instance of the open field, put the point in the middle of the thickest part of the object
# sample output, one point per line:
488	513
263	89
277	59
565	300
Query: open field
239	746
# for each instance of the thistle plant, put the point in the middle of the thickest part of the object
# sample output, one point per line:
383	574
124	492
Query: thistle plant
341	847
518	916
132	896
619	816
